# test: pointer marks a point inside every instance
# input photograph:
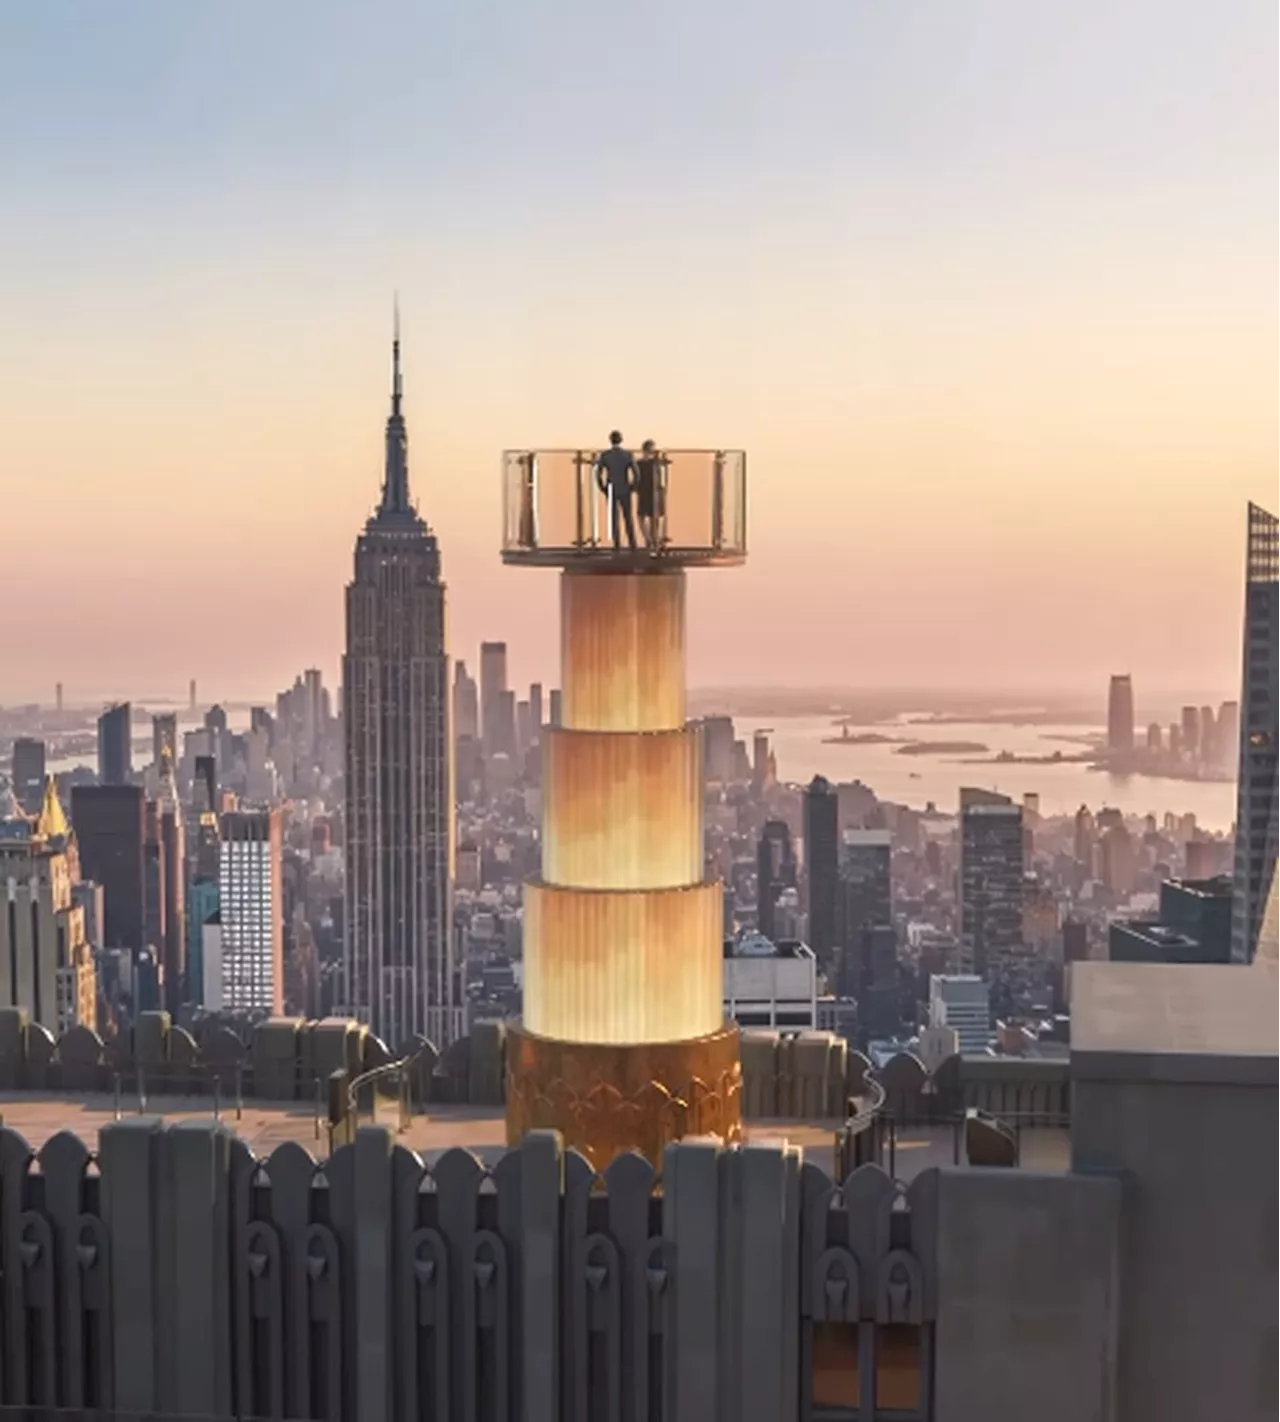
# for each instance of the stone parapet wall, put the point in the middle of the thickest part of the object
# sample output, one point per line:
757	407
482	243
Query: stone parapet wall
174	1273
809	1076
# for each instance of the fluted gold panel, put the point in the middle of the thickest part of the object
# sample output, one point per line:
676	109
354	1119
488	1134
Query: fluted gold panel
622	811
622	651
623	966
605	1100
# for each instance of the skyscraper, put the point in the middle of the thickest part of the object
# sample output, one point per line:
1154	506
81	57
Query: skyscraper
155	902
1227	747
206	868
535	710
1191	732
717	748
1120	715
173	841
215	723
493	700
822	863
110	826
864	901
164	739
28	773
466	704
115	745
775	871
1255	865
991	882
250	973
46	965
398	951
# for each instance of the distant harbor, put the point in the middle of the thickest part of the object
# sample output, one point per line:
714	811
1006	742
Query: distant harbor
1024	763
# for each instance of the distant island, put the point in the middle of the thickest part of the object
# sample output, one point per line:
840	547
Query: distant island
860	738
942	748
1056	758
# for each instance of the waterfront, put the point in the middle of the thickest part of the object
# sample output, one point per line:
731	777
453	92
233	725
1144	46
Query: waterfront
803	749
801	753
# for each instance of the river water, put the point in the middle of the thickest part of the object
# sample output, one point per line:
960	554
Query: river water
917	779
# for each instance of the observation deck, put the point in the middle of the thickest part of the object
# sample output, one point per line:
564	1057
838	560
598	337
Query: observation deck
688	509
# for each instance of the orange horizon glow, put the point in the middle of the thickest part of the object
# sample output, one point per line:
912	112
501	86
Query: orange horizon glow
989	299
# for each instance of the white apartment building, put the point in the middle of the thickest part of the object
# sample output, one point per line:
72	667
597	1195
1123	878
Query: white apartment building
770	984
961	1002
250	960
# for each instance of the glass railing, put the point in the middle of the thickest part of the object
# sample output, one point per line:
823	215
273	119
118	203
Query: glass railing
687	506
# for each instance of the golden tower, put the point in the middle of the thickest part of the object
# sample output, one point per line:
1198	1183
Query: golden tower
623	1043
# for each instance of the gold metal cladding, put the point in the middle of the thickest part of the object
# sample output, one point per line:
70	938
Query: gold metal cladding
622	811
622	651
607	1099
623	966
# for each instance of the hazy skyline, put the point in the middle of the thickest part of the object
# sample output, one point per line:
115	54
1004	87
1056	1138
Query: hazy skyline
987	292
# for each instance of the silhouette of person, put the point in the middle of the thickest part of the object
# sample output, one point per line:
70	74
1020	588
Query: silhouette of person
616	477
648	492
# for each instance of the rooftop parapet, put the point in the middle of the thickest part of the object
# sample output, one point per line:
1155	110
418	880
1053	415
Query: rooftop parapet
681	507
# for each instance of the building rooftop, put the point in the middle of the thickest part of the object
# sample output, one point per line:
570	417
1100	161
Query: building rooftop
1176	1022
481	1129
755	945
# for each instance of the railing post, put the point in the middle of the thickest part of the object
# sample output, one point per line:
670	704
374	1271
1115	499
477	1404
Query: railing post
142	1092
528	509
115	1088
580	522
217	1096
239	1091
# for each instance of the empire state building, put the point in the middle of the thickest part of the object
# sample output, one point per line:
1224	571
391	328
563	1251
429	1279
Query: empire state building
398	940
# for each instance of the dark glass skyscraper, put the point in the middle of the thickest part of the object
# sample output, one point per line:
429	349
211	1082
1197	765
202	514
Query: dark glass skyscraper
864	903
115	745
28	773
1255	865
110	826
775	871
991	882
821	862
398	951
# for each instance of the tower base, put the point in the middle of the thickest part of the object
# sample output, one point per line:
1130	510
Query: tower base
606	1099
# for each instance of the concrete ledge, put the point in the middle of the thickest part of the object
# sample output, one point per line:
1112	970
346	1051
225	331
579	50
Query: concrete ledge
1184	1068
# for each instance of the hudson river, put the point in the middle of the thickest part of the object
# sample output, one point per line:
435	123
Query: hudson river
916	779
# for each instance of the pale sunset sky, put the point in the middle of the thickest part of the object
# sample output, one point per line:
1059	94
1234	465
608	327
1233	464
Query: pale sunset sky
988	292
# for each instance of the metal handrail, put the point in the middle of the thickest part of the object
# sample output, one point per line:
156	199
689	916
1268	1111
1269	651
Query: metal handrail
872	1109
376	1074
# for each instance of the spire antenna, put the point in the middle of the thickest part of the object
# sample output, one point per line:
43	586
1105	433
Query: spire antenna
397	385
395	479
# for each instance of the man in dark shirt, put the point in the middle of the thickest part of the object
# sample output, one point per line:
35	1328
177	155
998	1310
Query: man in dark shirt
616	478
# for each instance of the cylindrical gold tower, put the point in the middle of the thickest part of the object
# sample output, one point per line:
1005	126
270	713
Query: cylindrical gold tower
623	1044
